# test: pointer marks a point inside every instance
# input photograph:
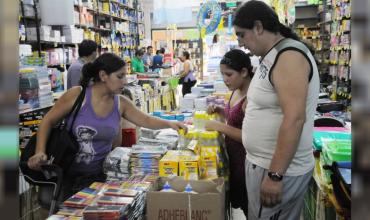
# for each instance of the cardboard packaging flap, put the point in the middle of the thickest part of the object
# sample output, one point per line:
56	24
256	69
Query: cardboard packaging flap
199	186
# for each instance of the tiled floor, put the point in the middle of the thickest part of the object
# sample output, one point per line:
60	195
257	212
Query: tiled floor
238	214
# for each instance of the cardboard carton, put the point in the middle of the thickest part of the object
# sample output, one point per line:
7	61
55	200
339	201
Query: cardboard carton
208	204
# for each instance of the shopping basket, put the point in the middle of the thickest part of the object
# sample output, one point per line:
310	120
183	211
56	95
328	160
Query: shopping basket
54	176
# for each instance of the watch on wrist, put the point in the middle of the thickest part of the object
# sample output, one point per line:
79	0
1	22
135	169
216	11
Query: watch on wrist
274	176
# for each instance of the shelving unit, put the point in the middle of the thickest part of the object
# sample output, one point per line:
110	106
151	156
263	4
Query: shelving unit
310	31
98	20
339	59
193	47
113	24
116	24
330	37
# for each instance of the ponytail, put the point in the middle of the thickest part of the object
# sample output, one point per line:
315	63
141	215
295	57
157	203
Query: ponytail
108	62
88	71
287	32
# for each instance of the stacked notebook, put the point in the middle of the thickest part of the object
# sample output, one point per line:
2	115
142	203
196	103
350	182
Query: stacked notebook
145	159
116	165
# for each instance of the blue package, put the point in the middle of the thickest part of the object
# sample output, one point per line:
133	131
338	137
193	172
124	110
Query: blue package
169	117
180	117
157	113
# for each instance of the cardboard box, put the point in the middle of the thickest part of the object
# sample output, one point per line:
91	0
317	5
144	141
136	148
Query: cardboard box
44	33
208	204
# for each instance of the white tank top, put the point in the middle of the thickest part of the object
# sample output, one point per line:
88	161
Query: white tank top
263	114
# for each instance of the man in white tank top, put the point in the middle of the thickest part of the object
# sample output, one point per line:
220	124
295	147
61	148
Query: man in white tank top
278	123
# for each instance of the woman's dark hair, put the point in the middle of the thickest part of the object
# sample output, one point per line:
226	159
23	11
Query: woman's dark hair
157	52
109	62
237	60
126	92
139	52
254	10
186	54
162	50
86	48
215	38
251	11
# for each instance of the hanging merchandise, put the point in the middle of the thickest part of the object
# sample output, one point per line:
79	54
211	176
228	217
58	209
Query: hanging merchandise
229	24
220	26
291	12
209	16
280	10
202	32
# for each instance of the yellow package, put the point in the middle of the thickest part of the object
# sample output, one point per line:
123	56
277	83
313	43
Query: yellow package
105	8
189	167
208	162
169	165
208	167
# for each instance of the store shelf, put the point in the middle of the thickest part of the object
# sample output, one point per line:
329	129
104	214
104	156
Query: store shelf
34	109
29	18
325	22
46	42
92	10
104	14
307	18
123	5
87	8
58	65
102	29
309	27
84	26
306	6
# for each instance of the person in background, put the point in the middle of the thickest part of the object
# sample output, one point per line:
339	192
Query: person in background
279	117
97	123
148	58
187	73
158	59
87	52
137	65
236	70
216	49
